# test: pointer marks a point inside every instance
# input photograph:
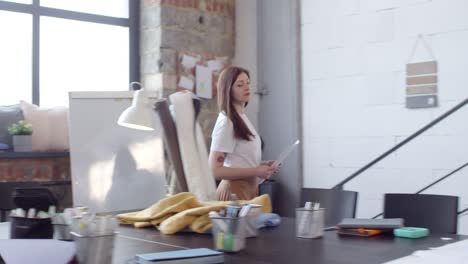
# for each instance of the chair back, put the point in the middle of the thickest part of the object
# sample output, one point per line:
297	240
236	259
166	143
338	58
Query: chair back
177	182
438	213
338	204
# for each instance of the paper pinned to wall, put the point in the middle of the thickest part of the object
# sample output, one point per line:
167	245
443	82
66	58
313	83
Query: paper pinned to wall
189	61
215	65
204	80
186	83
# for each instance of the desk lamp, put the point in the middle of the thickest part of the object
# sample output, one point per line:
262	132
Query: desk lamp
138	115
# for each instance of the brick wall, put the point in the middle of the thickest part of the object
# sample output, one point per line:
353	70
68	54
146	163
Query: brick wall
169	26
35	169
52	172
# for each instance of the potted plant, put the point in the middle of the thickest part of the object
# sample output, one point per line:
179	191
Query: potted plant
21	132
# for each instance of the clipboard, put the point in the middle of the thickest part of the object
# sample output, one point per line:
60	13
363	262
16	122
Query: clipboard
285	153
282	157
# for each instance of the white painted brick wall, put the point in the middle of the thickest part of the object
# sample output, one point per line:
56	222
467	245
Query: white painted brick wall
353	68
381	26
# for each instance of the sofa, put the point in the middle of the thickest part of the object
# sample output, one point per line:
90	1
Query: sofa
50	125
48	165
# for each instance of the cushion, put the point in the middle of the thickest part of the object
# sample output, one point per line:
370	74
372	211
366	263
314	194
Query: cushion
8	115
58	128
50	127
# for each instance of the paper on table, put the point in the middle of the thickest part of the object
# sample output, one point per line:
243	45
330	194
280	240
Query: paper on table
449	253
39	251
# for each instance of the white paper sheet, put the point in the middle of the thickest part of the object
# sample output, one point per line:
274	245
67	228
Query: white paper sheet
186	83
215	65
204	81
451	253
285	153
189	61
282	157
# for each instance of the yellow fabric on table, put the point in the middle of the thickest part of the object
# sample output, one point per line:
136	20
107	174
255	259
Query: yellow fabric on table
182	210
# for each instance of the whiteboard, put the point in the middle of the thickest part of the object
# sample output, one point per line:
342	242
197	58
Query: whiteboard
113	168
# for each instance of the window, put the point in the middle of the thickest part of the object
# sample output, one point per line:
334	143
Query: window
21	1
16	57
54	47
88	57
101	7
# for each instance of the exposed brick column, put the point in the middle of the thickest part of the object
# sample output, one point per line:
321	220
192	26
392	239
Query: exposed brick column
168	26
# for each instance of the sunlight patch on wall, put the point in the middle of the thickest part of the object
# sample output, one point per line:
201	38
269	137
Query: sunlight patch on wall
148	154
100	179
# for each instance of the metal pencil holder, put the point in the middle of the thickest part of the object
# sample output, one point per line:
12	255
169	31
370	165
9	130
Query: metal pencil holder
62	232
310	222
94	249
229	233
251	229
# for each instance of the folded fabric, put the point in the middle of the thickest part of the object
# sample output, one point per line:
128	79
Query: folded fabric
174	213
267	220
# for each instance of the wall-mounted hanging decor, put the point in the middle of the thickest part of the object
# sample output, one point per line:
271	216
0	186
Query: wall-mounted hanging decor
199	73
421	79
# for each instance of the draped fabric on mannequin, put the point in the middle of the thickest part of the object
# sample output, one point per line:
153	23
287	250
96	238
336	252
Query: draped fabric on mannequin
199	177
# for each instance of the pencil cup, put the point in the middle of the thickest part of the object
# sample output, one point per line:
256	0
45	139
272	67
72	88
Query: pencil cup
310	222
94	249
228	233
62	232
251	229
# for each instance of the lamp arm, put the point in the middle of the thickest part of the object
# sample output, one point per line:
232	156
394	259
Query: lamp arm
133	88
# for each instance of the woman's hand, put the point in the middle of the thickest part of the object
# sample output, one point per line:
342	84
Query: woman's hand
265	171
270	163
267	162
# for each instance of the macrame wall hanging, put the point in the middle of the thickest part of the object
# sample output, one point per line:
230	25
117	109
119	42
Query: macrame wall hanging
421	79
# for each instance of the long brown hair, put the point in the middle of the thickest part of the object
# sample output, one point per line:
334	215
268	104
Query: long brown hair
226	80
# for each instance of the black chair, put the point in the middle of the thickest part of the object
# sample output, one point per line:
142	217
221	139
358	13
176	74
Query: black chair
338	204
436	212
270	187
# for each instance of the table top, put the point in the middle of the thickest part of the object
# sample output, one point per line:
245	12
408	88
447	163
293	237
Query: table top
279	245
275	245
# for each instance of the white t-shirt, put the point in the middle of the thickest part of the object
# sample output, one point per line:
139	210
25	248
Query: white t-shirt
240	153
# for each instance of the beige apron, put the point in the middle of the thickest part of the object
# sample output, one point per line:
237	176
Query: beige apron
245	189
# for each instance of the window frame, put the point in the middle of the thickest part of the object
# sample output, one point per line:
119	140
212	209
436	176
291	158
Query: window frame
132	22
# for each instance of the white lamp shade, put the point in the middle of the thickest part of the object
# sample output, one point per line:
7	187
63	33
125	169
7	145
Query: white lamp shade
138	115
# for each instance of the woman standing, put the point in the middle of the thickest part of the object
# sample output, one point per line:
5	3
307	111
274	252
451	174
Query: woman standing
235	155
